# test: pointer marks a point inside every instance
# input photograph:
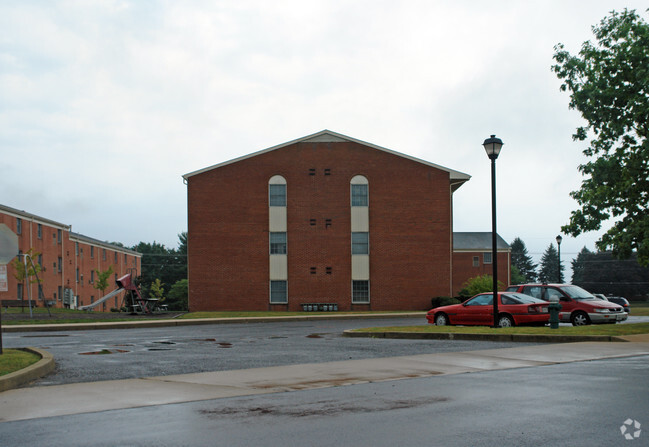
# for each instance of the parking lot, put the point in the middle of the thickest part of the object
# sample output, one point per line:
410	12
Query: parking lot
84	356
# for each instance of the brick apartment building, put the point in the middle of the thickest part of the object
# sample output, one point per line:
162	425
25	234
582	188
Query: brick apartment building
68	262
324	219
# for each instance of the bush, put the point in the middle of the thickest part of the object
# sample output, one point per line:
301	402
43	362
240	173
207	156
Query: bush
443	301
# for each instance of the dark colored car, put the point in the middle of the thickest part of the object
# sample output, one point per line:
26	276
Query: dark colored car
578	306
513	309
617	300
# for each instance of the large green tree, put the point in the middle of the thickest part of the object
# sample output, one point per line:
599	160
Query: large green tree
600	272
159	262
549	270
522	261
609	85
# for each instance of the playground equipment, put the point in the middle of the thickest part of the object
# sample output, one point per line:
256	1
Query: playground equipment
133	300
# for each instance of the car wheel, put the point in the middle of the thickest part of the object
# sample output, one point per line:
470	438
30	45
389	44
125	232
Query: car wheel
441	319
580	319
505	321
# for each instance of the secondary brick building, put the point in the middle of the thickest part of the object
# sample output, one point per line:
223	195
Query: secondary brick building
324	219
68	262
472	257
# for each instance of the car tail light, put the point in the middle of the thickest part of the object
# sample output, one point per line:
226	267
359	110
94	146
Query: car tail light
533	309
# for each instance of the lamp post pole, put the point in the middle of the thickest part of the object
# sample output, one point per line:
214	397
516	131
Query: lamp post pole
492	147
559	239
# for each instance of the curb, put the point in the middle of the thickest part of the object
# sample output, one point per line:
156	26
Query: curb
194	322
522	338
22	377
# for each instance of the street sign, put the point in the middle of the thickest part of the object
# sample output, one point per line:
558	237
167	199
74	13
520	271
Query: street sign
8	244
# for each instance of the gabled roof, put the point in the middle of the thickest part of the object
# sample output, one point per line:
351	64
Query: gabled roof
477	241
327	136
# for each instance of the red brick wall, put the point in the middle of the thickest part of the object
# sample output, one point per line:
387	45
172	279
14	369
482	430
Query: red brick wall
463	268
410	229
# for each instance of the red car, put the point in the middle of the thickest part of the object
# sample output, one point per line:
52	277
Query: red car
513	309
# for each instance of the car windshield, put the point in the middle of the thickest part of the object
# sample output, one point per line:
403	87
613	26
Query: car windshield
519	298
577	293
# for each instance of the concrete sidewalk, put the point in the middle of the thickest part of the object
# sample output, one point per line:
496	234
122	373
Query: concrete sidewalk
37	402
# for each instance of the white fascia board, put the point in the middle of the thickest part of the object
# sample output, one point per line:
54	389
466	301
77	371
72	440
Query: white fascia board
457	178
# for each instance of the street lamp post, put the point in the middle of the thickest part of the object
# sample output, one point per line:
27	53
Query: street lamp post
559	239
492	147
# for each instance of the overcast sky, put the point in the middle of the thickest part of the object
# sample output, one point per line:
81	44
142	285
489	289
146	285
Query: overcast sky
104	105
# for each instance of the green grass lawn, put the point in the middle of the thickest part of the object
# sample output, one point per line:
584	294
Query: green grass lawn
71	316
595	329
640	309
14	359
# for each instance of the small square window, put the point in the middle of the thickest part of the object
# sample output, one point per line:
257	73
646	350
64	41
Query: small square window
327	223
329	270
312	222
312	171
476	261
314	270
327	171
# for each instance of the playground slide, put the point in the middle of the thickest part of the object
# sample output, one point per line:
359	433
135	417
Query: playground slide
102	299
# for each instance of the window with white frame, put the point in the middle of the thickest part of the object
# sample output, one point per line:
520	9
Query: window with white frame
277	195
360	243
278	243
278	292
486	257
359	195
360	291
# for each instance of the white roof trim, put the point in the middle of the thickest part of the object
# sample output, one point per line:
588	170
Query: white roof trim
457	177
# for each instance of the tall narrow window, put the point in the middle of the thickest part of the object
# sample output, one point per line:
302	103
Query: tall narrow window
19	225
59	237
39	230
278	292
278	243
360	243
360	291
277	195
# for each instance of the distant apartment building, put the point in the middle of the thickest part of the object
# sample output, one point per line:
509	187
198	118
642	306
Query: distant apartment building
69	262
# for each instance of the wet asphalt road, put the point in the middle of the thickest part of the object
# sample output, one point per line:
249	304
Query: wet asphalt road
85	356
575	404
